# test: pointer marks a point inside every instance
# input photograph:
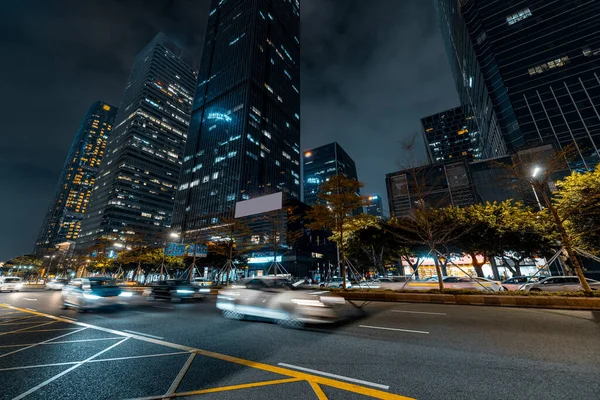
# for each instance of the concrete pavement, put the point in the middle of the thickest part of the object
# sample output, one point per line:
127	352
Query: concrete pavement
416	350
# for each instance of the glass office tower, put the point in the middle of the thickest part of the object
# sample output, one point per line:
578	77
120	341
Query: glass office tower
447	136
539	62
135	189
244	136
323	162
63	218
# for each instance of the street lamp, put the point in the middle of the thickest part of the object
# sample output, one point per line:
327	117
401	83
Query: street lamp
174	235
536	170
50	263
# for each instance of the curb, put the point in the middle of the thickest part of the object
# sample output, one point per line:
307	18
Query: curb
555	302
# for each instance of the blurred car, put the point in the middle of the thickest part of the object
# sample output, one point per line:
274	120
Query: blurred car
10	283
127	283
370	284
518	282
475	283
560	284
175	290
202	282
335	283
278	300
93	293
56	284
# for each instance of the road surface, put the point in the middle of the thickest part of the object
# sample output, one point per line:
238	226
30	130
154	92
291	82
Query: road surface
395	350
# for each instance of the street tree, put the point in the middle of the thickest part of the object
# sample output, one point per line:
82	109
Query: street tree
338	200
540	171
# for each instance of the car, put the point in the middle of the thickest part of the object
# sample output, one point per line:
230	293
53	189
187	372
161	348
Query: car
277	299
175	290
335	283
202	282
475	283
89	293
56	284
10	283
517	282
560	284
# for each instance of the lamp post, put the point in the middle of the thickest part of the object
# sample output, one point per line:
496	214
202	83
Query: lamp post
50	263
536	170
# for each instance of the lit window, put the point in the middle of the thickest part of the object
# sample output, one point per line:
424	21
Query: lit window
215	175
205	179
518	16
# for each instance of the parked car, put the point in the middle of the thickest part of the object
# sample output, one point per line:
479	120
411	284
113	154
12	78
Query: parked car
335	283
517	282
278	300
475	283
175	290
56	284
560	284
10	283
93	293
202	282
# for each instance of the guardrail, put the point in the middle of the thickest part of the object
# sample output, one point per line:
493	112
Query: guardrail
557	302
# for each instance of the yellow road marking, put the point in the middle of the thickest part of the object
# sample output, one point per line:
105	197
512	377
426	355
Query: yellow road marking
294	375
236	387
45	330
16	319
25	329
318	391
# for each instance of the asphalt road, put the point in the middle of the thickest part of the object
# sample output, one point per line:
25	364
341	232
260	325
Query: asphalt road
421	351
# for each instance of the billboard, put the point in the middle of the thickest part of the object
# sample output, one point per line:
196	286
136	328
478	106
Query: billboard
175	249
200	250
180	250
259	205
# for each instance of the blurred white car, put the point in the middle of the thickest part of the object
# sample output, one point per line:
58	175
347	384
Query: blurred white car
57	284
335	283
201	282
475	283
278	300
517	282
93	293
10	283
560	284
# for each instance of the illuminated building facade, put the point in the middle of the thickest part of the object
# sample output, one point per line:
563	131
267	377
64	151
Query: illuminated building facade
374	206
321	163
447	136
63	218
529	68
244	136
135	190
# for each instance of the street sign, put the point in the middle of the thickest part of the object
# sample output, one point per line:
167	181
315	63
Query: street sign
175	249
200	250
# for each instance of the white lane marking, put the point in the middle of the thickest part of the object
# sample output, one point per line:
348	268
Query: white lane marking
44	342
344	378
72	319
55	377
146	356
83	340
166	308
28	299
143	334
420	312
39	366
181	374
91	361
393	329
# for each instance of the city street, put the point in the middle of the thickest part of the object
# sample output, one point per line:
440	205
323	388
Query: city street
415	351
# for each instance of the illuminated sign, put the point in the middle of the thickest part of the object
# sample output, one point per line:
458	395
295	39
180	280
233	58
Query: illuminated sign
219	117
262	260
313	180
317	255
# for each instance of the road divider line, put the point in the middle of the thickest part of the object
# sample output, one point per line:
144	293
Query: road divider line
19	323
419	312
38	366
164	307
318	391
17	319
49	330
40	343
72	319
146	356
143	334
31	309
25	329
84	340
393	329
55	377
181	374
341	377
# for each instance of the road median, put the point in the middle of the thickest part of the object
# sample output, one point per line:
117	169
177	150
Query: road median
497	300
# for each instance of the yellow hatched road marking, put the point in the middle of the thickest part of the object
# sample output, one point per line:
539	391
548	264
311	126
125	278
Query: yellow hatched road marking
236	387
318	391
294	375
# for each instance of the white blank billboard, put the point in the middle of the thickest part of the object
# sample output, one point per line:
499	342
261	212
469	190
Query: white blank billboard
259	205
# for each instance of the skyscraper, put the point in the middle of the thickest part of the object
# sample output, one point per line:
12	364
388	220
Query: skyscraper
323	162
374	206
135	190
244	137
447	136
63	218
534	66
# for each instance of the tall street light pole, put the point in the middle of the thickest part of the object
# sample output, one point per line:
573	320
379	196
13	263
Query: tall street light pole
534	173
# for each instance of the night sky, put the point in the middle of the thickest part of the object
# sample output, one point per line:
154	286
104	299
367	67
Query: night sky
370	70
